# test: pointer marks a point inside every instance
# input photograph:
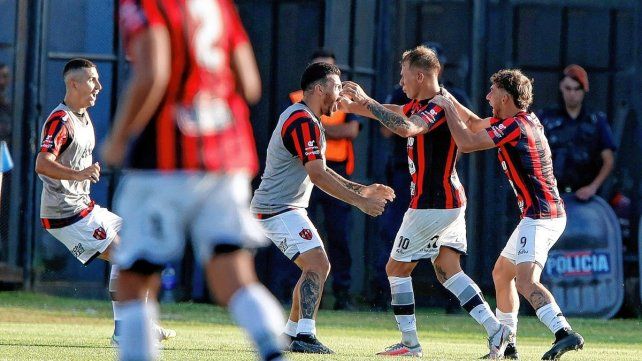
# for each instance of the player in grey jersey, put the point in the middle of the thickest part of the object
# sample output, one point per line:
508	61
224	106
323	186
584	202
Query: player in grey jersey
64	164
295	163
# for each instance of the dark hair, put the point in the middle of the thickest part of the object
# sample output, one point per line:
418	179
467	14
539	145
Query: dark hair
323	53
316	72
518	85
422	57
77	63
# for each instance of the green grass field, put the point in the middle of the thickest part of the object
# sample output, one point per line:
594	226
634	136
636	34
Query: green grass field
40	327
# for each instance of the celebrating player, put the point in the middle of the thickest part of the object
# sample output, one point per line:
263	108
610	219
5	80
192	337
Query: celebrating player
64	164
295	163
525	157
434	225
193	160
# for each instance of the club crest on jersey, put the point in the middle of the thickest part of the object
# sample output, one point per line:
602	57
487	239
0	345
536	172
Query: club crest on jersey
306	234
100	233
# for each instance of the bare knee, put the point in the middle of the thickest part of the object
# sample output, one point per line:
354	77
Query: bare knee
320	266
399	269
503	274
525	286
447	264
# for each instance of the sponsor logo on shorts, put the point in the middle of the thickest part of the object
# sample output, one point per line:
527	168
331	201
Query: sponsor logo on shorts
78	250
283	245
306	234
100	234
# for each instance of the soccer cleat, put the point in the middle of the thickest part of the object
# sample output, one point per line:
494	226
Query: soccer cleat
509	354
565	340
399	349
305	343
164	333
497	343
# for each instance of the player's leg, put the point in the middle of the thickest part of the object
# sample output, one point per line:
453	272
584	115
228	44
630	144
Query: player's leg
449	273
507	298
403	307
233	281
536	239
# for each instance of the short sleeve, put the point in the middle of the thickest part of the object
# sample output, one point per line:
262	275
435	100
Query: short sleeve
55	135
433	116
503	131
302	137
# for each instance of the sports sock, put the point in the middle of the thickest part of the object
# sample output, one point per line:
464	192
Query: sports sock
403	306
258	312
552	317
507	318
137	341
113	280
290	328
306	326
472	300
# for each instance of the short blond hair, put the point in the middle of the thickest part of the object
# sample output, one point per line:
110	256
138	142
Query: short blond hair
422	57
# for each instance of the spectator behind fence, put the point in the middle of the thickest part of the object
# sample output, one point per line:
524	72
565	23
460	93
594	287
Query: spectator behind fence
397	177
580	138
340	130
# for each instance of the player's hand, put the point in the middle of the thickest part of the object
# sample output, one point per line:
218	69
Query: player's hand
442	101
343	104
92	173
378	191
353	91
113	152
586	192
372	206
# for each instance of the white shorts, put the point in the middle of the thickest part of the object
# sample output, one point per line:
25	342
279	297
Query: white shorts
90	236
532	239
161	208
424	231
292	232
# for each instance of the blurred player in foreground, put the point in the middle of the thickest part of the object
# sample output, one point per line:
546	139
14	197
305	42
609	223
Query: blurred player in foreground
193	159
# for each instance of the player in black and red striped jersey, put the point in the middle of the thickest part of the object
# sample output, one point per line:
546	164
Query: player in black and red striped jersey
434	225
525	157
193	159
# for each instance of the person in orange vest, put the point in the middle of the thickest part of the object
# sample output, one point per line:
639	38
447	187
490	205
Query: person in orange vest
340	130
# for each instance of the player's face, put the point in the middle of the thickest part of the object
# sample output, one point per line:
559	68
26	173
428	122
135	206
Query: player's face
87	86
330	91
572	92
497	97
409	82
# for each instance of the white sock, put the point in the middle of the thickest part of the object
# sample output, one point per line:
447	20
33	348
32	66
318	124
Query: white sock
507	318
403	306
307	326
138	342
472	300
255	309
290	328
552	317
113	281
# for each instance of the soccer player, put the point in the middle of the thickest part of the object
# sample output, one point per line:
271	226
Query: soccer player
525	157
434	225
192	162
295	163
64	164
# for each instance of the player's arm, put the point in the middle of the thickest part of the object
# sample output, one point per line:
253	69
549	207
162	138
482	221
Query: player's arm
466	140
342	189
394	120
473	122
47	165
347	130
608	162
247	73
151	59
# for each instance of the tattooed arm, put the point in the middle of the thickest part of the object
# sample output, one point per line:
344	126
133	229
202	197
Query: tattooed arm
355	187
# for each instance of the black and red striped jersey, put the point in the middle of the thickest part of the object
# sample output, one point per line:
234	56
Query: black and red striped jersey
525	158
302	136
202	121
431	160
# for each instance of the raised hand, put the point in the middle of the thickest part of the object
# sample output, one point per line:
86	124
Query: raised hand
353	91
443	101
